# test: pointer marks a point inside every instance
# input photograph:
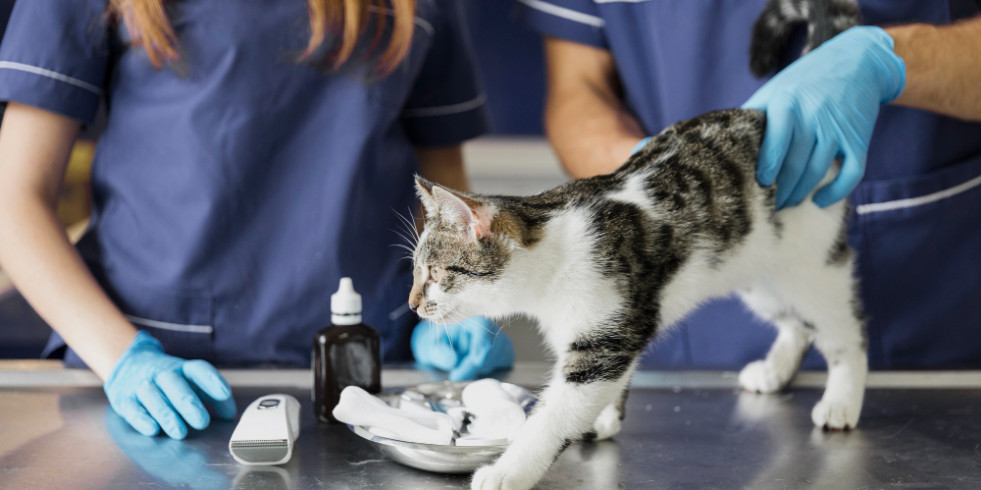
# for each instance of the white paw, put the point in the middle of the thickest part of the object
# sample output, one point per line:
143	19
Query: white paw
495	478
836	414
607	424
759	377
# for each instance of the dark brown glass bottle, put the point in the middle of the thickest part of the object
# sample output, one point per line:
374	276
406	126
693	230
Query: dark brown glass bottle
345	353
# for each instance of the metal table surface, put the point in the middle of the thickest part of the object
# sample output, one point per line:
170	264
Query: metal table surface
683	430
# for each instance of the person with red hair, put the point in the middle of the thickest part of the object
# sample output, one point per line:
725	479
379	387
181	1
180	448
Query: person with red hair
255	152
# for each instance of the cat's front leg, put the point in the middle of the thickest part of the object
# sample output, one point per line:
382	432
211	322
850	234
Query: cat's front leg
565	412
567	409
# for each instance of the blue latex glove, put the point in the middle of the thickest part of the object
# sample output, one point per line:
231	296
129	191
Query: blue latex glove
153	390
470	349
824	106
640	144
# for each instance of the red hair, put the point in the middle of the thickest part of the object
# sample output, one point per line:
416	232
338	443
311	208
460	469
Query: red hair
348	19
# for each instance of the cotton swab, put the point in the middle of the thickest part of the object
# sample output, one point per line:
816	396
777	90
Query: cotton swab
358	407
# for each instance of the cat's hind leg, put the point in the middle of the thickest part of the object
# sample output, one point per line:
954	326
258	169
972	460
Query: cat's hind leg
610	419
831	305
773	373
841	340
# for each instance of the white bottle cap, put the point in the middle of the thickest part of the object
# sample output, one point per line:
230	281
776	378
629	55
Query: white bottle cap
345	304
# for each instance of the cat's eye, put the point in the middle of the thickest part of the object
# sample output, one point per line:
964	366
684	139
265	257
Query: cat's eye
434	272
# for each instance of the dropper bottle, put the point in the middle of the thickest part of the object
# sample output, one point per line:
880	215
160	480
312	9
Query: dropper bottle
345	353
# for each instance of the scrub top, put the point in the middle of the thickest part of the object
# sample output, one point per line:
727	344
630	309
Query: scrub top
916	215
232	192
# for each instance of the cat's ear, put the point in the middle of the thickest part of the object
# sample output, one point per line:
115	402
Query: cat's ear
466	213
424	189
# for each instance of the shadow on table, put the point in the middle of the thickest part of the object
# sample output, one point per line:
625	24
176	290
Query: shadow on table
829	459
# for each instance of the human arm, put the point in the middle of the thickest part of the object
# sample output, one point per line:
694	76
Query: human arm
586	121
147	387
444	166
34	249
943	67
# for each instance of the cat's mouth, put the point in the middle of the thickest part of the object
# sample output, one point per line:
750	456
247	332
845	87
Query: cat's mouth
436	315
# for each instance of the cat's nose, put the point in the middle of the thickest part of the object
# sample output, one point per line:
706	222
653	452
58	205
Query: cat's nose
415	296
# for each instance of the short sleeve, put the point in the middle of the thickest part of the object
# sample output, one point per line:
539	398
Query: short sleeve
54	56
573	20
447	104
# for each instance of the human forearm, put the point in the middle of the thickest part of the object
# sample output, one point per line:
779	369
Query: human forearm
48	272
34	249
444	166
591	133
586	122
943	67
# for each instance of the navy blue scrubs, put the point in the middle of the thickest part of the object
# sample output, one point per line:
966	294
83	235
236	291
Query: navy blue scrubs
917	215
232	193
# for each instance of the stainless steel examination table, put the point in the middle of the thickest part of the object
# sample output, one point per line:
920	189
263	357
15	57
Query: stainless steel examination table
683	430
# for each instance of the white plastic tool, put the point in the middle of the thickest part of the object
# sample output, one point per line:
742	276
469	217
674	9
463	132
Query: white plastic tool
265	433
358	407
495	413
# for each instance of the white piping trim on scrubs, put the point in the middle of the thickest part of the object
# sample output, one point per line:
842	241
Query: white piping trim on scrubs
10	65
445	110
565	13
426	26
170	326
879	207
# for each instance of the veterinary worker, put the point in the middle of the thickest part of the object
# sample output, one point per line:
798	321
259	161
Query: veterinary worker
619	71
255	153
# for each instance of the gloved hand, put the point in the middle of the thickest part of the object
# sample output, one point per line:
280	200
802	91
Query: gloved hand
150	390
824	106
470	349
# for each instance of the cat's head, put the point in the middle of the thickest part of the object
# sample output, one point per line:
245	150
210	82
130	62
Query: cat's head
460	264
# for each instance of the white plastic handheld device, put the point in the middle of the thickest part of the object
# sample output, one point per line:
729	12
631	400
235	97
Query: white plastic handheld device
265	433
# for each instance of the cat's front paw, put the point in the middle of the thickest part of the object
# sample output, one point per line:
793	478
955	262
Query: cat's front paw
495	478
759	377
836	414
607	424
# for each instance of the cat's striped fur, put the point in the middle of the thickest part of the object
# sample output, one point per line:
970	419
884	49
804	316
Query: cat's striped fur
606	263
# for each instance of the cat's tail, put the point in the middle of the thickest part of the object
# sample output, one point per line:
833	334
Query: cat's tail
824	19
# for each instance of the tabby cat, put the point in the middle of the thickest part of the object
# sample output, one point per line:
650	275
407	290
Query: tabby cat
604	264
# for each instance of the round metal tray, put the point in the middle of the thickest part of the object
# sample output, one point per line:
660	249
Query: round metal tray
436	457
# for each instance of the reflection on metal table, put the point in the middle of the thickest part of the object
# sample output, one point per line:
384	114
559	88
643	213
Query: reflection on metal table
683	430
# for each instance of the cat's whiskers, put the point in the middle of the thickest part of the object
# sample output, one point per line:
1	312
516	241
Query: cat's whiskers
471	321
408	240
409	234
405	247
413	224
435	333
410	227
443	325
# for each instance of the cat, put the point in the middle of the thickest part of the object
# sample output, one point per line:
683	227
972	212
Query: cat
606	263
